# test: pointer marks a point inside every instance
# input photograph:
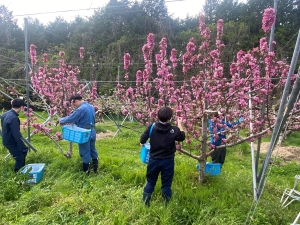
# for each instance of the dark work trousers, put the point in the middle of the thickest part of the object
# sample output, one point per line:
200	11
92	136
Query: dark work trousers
18	155
87	151
219	155
166	168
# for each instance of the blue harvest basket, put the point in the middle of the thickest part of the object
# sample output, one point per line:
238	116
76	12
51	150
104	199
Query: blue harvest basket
76	134
36	172
213	169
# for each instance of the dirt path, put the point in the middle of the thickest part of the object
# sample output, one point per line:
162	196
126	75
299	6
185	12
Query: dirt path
102	135
287	153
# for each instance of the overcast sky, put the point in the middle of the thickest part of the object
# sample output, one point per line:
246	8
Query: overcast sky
176	8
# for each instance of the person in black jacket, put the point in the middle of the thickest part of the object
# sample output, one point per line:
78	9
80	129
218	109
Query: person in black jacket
11	135
162	152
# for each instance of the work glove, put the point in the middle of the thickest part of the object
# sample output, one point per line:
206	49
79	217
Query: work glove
241	119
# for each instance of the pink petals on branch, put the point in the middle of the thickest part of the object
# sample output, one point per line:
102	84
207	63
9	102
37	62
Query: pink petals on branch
33	54
126	61
81	52
268	19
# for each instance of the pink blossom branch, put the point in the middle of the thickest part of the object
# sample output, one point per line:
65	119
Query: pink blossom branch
189	154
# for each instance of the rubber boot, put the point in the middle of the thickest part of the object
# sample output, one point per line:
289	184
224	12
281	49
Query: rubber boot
86	167
95	165
166	198
147	198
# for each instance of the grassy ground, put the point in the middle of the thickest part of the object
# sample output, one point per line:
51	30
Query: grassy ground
66	195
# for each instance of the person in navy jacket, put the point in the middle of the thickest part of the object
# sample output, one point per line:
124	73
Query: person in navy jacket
81	116
162	152
11	135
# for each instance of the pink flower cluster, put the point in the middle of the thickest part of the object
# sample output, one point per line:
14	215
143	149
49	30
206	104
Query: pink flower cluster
126	61
204	31
268	19
148	48
219	29
81	52
173	57
33	54
189	58
45	58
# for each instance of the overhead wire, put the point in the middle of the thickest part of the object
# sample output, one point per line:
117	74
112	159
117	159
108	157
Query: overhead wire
91	4
64	11
175	0
288	43
290	40
176	81
13	59
90	8
6	62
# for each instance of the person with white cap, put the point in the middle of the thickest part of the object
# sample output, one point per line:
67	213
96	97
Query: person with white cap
82	116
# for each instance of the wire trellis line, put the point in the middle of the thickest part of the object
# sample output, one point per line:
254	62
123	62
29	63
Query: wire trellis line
176	81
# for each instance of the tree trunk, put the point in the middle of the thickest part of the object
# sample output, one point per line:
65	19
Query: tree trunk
202	172
202	160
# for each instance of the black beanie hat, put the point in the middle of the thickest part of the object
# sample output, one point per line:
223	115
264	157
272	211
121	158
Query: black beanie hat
18	103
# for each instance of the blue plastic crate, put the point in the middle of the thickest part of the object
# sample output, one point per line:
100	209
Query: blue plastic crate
36	172
76	134
213	169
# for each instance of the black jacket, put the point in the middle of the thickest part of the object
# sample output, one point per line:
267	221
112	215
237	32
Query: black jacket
162	140
11	135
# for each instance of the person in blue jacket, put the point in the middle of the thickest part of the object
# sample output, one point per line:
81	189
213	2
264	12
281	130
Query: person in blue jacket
217	134
162	152
82	116
11	135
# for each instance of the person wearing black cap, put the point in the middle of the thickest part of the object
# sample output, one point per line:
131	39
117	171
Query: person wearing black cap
162	153
11	135
84	116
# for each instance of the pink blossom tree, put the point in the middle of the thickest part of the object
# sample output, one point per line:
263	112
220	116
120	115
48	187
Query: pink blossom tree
254	77
55	86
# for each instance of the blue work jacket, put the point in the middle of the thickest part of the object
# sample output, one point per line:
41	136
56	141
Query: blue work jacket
11	134
83	116
220	131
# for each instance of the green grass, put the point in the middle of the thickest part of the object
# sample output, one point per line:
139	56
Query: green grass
292	140
66	195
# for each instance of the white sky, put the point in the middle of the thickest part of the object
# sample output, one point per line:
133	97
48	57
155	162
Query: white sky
176	8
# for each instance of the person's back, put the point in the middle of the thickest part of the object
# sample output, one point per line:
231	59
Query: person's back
6	119
162	152
84	116
11	136
10	124
163	139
